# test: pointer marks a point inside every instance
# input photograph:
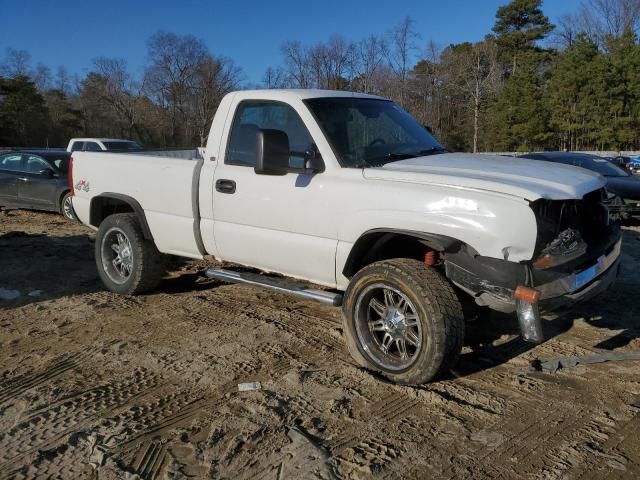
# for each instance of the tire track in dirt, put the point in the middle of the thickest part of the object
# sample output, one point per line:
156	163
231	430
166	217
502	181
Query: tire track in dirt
42	429
15	387
310	333
150	460
148	426
623	443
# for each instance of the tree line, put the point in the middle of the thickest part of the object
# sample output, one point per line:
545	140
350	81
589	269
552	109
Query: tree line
171	105
528	85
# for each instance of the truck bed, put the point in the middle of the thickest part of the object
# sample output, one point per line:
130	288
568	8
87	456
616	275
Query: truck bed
162	185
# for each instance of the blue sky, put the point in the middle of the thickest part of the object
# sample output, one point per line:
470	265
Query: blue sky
73	32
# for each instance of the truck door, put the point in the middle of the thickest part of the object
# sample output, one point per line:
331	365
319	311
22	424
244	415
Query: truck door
275	223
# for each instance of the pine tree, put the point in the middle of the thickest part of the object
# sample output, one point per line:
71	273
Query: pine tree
519	25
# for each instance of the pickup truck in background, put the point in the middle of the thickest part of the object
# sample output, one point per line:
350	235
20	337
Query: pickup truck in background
101	145
349	192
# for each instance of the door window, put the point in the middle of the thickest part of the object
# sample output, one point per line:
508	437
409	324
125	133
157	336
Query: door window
92	147
35	163
10	162
76	146
253	116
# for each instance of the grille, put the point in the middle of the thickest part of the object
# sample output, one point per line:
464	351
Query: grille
588	216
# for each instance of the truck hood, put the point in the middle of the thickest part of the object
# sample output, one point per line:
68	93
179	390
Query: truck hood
522	178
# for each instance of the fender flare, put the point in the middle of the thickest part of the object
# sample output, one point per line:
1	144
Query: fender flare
132	202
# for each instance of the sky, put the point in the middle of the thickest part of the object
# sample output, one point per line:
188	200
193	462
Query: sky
74	32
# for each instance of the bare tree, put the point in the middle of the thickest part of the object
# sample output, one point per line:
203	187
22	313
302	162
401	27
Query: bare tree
121	92
274	78
402	39
214	78
609	18
370	55
174	61
42	77
296	64
474	71
15	63
568	27
426	87
62	80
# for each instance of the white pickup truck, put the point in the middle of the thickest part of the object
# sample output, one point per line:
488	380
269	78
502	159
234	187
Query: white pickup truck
349	192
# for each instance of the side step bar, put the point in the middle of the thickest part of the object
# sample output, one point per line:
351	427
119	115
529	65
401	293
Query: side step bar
276	284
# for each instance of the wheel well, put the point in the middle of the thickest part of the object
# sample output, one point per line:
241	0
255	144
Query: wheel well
105	205
378	245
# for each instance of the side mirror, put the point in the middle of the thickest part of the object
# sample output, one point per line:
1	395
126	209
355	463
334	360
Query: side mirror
273	155
46	172
272	151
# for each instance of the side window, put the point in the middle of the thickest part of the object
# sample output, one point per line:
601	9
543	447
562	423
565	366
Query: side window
77	146
253	116
10	162
92	147
34	164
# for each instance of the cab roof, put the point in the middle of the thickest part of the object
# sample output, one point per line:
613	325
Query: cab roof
302	94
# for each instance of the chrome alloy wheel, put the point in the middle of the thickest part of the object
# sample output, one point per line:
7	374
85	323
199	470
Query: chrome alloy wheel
67	209
388	327
117	255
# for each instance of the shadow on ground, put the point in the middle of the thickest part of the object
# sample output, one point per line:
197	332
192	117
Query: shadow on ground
39	267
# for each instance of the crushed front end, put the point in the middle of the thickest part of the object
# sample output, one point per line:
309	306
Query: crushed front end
577	256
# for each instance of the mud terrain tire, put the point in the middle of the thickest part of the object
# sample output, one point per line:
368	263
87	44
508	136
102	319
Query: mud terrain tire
127	263
422	306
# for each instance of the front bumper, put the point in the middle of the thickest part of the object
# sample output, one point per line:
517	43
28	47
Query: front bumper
560	291
584	284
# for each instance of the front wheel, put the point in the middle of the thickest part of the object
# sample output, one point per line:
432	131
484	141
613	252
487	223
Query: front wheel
127	262
403	319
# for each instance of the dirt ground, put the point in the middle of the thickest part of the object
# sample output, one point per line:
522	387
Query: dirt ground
93	385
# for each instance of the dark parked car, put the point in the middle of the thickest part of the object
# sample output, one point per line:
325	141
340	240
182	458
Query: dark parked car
623	162
621	183
36	179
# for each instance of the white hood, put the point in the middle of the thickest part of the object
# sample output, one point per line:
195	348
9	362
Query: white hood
523	178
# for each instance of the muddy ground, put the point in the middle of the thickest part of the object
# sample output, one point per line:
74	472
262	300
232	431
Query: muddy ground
93	385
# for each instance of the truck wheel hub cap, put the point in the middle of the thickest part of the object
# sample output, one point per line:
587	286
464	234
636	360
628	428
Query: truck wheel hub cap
388	327
117	255
395	323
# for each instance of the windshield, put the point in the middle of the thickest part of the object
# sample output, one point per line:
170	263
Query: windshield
603	167
367	132
122	146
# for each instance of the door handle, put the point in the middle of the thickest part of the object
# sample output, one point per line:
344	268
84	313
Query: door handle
22	179
225	186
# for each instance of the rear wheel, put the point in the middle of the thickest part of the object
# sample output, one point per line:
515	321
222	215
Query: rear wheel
127	262
403	319
66	207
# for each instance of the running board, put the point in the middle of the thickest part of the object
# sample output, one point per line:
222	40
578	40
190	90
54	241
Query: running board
276	284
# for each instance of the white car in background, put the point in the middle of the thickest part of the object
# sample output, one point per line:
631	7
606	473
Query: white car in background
101	145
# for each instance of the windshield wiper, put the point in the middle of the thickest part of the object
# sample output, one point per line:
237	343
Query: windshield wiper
393	156
431	151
